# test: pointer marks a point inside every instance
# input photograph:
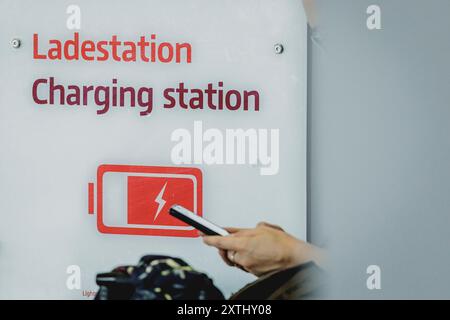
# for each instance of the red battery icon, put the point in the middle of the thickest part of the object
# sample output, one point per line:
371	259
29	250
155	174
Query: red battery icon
135	200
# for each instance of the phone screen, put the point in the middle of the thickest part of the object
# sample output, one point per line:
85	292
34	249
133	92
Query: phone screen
201	224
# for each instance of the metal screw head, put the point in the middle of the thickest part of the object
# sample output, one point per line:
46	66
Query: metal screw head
15	43
279	48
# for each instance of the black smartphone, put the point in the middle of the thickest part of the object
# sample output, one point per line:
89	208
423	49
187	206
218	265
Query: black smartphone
196	221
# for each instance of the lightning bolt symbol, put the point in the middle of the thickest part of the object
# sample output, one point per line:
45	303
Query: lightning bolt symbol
161	202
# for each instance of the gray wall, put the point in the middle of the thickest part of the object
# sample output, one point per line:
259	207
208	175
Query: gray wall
379	147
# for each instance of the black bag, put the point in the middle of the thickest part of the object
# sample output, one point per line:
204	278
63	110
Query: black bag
156	278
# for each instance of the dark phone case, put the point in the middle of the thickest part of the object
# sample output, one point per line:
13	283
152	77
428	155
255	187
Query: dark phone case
196	225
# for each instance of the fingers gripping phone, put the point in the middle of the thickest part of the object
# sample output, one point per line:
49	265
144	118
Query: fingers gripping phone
196	221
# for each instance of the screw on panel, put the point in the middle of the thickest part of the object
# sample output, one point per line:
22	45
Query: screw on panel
15	43
279	48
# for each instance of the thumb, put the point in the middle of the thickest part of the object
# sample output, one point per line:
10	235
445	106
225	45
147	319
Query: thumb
269	225
233	230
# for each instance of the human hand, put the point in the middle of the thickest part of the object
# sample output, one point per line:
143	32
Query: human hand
263	249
